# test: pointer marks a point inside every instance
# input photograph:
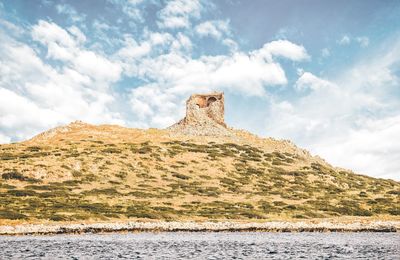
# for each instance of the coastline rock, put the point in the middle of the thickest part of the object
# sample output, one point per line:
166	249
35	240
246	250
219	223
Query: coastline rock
325	226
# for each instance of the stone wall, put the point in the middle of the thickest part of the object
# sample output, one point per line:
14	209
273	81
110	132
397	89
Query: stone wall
204	116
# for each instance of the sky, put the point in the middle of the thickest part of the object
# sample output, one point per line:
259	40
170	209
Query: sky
323	74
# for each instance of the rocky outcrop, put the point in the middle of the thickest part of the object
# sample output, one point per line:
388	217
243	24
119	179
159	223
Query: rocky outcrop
204	116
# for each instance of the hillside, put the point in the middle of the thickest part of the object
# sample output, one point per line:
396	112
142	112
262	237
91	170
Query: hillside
86	172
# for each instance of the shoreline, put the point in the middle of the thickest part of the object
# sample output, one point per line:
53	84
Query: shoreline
174	226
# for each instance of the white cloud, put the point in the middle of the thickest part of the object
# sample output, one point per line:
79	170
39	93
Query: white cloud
133	50
67	47
351	121
132	8
309	81
175	75
215	29
97	67
76	89
345	40
181	43
370	150
47	33
79	36
282	48
10	27
231	44
16	120
177	13
150	101
362	40
70	12
4	139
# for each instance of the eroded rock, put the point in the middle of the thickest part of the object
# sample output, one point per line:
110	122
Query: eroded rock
204	116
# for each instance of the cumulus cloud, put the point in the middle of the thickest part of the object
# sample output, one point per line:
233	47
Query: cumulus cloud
16	118
54	95
350	121
67	46
63	73
309	81
370	149
174	75
282	48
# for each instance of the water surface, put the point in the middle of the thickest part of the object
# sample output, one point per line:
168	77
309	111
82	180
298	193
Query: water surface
203	245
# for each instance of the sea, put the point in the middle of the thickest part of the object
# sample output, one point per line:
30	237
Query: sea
203	245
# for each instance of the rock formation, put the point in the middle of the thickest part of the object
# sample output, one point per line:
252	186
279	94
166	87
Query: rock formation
204	116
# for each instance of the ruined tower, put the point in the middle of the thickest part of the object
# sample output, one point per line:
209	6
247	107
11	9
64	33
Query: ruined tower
204	116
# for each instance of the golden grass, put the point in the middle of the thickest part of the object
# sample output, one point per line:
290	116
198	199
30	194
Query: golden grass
102	173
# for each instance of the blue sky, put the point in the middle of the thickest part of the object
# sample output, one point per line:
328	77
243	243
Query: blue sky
324	74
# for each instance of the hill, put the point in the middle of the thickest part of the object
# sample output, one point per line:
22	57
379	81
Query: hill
193	170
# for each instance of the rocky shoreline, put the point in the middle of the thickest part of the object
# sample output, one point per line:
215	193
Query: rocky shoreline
43	229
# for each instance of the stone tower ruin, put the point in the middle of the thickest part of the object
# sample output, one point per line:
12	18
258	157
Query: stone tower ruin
204	116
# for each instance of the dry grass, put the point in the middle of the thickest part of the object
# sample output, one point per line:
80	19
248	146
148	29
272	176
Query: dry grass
85	173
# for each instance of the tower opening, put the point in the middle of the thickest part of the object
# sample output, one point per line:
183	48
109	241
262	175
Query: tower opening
211	100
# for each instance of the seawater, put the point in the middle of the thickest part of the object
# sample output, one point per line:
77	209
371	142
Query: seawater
203	245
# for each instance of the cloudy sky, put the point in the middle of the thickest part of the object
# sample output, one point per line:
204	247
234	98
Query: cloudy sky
324	74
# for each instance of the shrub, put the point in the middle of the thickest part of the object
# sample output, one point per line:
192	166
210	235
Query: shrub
13	176
6	186
7	214
180	176
363	194
58	218
7	156
111	150
33	149
121	175
394	192
290	207
300	216
394	211
109	191
279	203
76	173
22	193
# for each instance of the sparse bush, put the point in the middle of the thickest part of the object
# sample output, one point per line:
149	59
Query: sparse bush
111	150
33	149
109	192
21	193
394	211
8	156
13	176
58	218
180	176
8	214
76	174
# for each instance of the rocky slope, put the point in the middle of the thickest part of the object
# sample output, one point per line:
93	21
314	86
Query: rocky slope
86	172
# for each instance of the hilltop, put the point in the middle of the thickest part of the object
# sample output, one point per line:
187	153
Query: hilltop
197	170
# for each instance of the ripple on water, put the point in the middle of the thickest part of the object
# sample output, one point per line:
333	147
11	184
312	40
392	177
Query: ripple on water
203	245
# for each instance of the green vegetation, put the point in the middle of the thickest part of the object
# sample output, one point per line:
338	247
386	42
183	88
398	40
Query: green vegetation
92	179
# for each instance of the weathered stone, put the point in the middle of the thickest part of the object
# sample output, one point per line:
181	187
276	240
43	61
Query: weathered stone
204	116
